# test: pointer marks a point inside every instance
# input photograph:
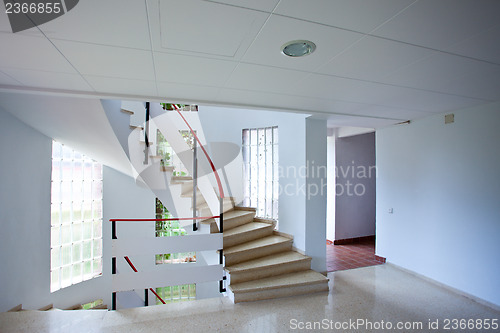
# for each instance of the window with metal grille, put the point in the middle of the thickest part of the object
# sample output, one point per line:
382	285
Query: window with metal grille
260	170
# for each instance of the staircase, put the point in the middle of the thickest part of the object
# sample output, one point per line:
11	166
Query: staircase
260	262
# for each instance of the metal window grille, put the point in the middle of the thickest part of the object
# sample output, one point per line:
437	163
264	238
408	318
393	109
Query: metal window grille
260	170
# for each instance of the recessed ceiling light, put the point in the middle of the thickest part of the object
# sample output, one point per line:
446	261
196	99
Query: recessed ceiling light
298	48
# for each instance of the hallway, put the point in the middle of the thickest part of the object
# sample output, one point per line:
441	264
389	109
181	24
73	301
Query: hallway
350	256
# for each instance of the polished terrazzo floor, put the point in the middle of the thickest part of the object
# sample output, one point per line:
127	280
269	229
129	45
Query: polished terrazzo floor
373	294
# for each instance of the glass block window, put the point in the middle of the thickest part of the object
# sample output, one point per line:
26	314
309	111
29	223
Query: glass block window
172	294
76	219
260	170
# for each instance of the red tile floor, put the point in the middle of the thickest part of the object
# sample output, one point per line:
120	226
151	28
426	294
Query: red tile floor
349	256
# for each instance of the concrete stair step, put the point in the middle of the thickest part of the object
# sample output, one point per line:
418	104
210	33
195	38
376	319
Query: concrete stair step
200	199
168	168
297	283
127	111
257	248
46	307
247	232
190	194
272	265
181	179
204	210
187	187
234	218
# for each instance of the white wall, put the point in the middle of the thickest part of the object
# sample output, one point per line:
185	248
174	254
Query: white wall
444	186
225	125
355	186
25	220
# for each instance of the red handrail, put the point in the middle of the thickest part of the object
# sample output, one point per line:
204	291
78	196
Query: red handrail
135	270
221	191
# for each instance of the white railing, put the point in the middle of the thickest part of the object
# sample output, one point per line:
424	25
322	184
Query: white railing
167	274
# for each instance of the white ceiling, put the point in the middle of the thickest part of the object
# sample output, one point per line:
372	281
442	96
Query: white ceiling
383	60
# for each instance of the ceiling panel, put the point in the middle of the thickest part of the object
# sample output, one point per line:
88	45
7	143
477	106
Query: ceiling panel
426	101
390	112
450	74
440	24
263	78
193	70
91	59
358	121
357	15
184	93
207	28
342	89
261	99
483	82
27	52
483	46
279	30
111	22
122	86
52	80
7	80
265	5
373	58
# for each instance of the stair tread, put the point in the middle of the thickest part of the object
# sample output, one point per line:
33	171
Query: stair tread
281	281
231	214
127	111
261	242
180	179
246	228
267	261
190	194
226	201
236	213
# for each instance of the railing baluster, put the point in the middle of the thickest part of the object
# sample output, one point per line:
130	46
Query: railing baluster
195	184
113	265
146	135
